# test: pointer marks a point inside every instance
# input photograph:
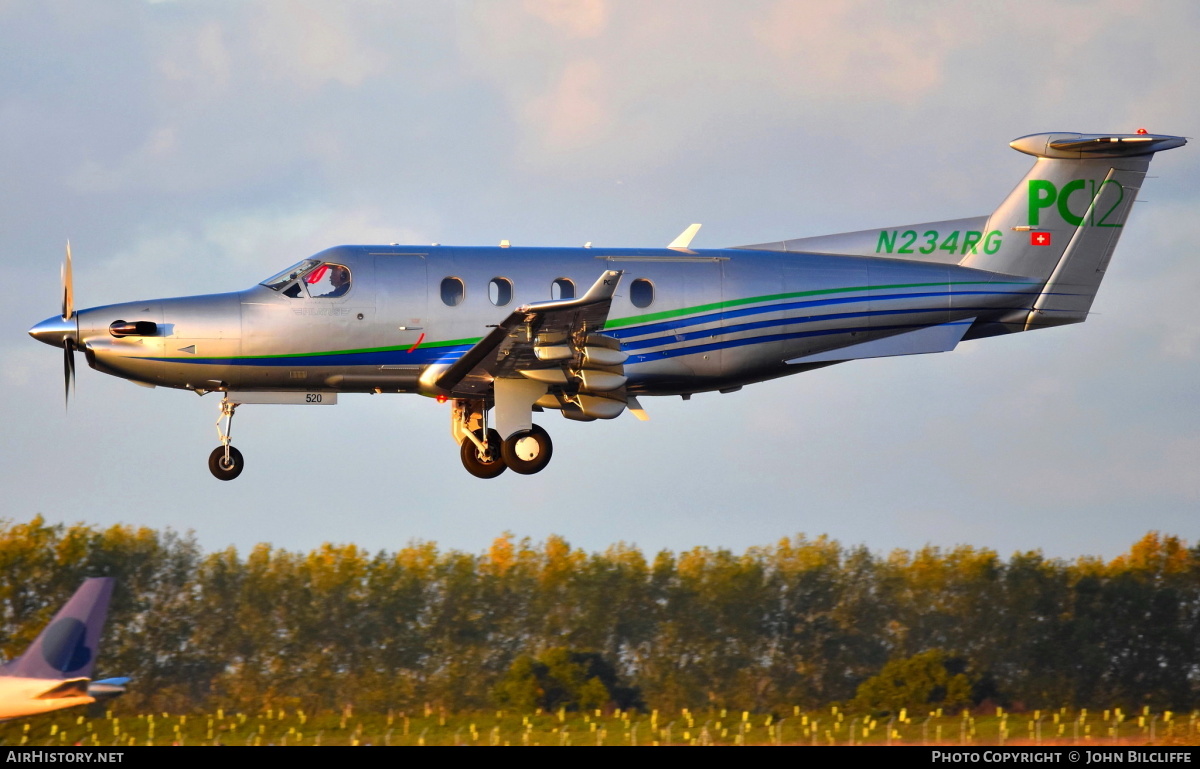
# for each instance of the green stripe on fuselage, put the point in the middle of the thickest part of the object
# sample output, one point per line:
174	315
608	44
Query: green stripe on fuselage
665	314
634	319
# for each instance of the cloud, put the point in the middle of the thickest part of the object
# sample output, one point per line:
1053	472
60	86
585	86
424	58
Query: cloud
575	112
230	251
313	44
22	364
197	61
575	18
859	50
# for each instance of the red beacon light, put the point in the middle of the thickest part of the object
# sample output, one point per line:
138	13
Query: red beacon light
1141	132
441	399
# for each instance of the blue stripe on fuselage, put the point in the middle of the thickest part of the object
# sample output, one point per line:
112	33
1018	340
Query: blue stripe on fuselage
666	333
399	357
642	344
702	348
714	317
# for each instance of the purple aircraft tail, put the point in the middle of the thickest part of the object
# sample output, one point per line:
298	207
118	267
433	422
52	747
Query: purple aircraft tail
67	647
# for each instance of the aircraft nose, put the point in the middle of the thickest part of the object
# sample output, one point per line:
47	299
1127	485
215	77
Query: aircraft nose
56	331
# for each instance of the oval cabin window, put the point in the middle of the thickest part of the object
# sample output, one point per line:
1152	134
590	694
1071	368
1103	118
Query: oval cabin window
453	292
500	291
562	288
641	293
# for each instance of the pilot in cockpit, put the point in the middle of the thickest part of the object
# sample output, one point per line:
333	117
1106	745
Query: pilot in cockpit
339	278
310	278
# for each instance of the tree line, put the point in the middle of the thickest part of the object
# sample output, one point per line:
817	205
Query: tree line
805	622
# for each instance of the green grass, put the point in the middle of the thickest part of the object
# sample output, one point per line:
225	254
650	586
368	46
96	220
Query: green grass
827	727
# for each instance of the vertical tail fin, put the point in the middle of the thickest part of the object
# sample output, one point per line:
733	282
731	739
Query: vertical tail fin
67	647
1063	220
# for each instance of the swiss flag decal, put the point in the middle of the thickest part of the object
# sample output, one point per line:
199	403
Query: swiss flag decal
1039	238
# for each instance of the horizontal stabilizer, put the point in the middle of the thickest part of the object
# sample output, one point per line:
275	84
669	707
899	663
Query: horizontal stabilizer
107	688
1073	146
943	338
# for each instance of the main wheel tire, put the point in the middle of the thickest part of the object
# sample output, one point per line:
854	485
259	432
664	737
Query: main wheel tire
478	464
528	451
225	470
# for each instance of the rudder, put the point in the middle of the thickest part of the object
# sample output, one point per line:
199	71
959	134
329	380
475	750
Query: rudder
1062	222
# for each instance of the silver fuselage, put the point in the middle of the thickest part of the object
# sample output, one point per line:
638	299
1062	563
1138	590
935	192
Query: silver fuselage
717	318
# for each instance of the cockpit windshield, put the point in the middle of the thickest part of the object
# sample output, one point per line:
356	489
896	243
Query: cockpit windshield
311	278
279	280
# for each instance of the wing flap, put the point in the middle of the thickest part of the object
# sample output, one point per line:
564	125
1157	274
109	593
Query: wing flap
513	345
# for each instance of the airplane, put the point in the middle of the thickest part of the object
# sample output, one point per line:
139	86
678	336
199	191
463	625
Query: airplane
54	671
505	332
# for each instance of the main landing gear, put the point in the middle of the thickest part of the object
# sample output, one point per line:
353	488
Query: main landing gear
483	459
225	462
525	451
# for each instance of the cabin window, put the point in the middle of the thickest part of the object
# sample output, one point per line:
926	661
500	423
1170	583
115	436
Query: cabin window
500	291
562	288
641	293
453	291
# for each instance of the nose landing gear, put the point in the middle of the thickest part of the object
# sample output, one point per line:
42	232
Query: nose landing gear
225	462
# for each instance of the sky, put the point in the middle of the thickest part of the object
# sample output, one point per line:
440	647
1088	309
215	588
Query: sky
199	147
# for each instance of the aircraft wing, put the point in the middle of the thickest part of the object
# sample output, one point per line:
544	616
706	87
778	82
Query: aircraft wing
548	326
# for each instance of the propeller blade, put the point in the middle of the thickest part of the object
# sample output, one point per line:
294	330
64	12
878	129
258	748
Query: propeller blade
68	371
68	282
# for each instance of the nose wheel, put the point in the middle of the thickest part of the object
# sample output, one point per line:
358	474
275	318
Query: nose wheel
225	462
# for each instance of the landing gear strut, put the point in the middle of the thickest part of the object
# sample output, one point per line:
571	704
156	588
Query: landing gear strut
479	447
225	462
525	451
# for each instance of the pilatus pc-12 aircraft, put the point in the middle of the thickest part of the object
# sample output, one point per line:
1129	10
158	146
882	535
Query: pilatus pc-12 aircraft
504	332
